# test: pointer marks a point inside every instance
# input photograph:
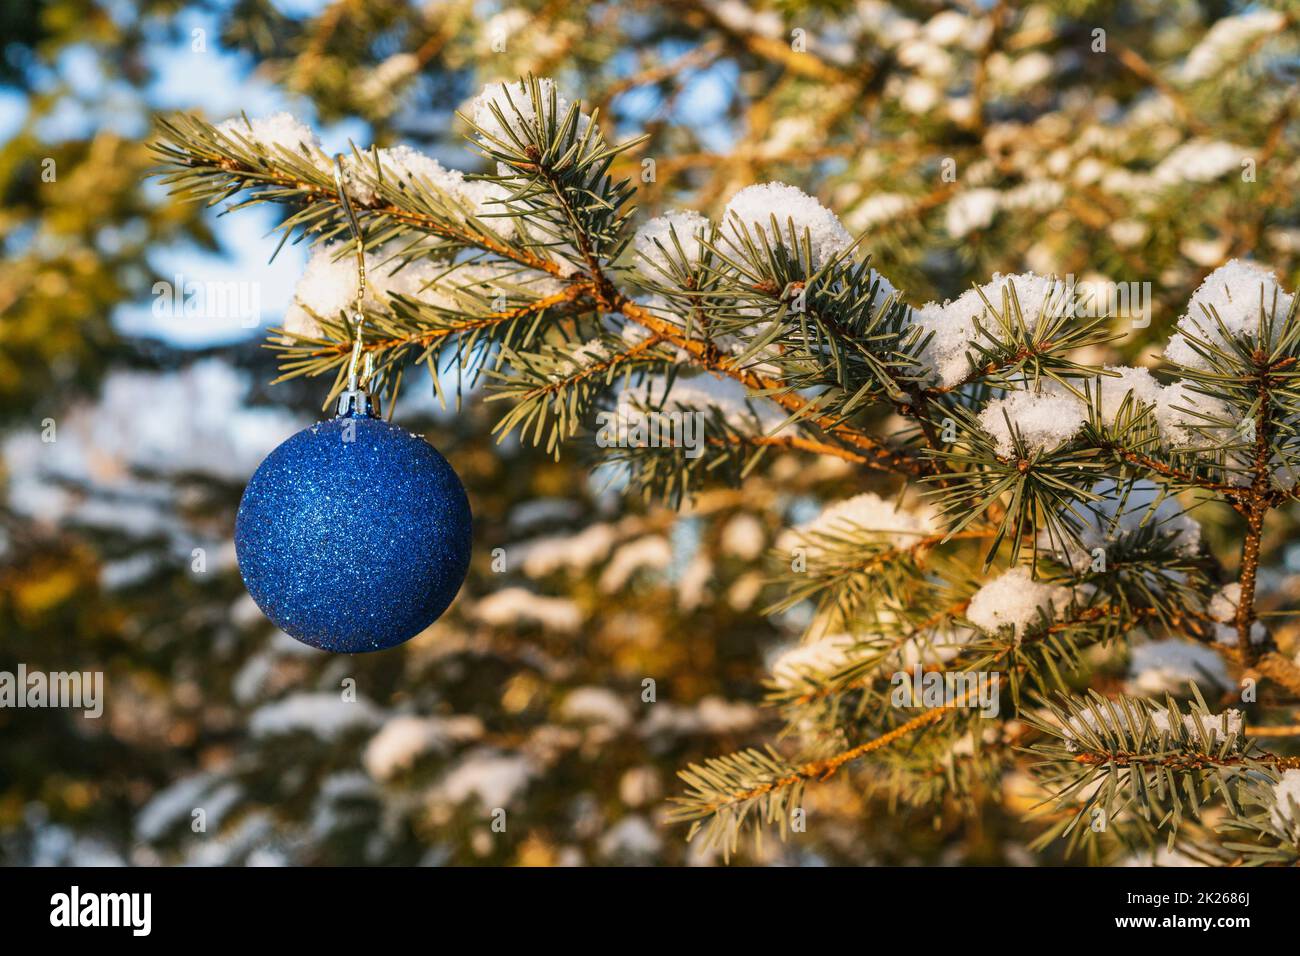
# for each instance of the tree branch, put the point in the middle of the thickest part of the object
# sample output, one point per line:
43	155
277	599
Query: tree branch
875	454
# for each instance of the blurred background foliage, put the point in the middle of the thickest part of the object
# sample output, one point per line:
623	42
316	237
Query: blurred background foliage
962	139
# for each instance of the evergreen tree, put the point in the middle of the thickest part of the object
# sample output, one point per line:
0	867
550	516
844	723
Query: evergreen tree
922	459
1058	478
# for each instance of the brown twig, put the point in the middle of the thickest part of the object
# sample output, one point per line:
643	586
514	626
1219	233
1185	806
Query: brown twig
876	454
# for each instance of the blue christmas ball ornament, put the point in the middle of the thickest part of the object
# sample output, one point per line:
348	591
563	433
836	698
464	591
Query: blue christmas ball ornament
354	535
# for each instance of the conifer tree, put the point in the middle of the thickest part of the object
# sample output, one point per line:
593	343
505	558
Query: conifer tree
1035	511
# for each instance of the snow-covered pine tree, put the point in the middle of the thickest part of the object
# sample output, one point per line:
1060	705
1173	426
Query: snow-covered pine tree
1039	515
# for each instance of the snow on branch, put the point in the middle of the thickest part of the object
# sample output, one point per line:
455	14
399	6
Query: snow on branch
688	350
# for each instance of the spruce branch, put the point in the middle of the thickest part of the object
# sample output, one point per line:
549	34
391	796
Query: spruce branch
725	793
417	330
848	567
558	385
1255	505
532	289
877	455
1007	349
1128	762
813	687
1160	469
204	165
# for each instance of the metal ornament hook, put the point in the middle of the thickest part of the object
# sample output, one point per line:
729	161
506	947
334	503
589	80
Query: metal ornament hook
356	400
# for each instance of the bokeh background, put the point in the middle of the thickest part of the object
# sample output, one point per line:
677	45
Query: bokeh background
1128	142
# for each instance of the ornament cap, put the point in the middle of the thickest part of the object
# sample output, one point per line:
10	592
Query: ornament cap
357	402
